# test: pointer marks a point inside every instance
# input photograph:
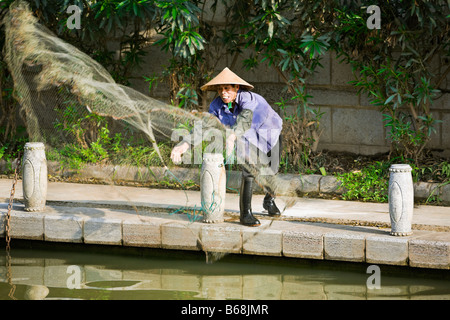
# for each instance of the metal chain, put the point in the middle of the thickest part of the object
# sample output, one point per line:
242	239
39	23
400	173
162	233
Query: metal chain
8	230
10	204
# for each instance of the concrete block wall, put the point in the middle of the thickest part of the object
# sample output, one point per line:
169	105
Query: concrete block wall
349	123
294	239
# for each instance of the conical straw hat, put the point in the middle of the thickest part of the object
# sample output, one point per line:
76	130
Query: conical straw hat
226	77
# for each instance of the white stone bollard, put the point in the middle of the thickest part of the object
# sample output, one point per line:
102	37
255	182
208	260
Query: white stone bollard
34	176
401	199
213	187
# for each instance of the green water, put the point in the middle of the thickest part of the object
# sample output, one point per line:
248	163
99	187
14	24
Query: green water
55	271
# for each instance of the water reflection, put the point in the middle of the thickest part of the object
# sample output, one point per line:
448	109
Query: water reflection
64	275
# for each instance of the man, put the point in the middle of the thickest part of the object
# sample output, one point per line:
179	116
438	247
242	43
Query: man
256	129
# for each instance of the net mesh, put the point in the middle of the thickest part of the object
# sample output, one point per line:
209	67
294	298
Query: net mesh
52	77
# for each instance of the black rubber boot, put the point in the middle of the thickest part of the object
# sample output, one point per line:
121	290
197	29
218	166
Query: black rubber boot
245	203
270	206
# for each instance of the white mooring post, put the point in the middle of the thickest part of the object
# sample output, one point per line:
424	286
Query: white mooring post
213	187
401	199
34	176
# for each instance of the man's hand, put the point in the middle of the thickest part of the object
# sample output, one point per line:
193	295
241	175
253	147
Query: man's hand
178	151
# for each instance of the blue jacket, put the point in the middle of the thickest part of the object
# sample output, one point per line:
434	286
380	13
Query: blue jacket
265	126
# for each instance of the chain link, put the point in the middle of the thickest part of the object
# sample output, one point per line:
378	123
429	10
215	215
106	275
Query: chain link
10	205
8	229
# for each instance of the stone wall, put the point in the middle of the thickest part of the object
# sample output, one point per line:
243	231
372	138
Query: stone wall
350	123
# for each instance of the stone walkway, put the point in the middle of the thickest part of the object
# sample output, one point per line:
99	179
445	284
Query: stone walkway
157	218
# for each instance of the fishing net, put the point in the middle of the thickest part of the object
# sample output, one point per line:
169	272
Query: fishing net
54	81
51	75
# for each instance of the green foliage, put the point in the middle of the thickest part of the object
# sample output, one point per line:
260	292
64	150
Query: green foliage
180	29
285	43
179	26
409	132
80	126
369	184
74	155
12	148
129	22
187	95
298	147
394	65
438	171
107	149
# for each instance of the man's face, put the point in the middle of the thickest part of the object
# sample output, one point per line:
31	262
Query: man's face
228	92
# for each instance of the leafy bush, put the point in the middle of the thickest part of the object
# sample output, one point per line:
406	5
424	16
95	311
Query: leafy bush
394	65
368	184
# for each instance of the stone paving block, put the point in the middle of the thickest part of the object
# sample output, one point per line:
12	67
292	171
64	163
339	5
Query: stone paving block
326	135
341	72
347	127
142	232
430	251
387	250
422	190
309	183
273	92
289	183
180	236
263	74
221	238
64	228
442	102
344	247
102	230
322	75
330	184
327	97
445	194
262	242
214	16
446	129
302	244
27	225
